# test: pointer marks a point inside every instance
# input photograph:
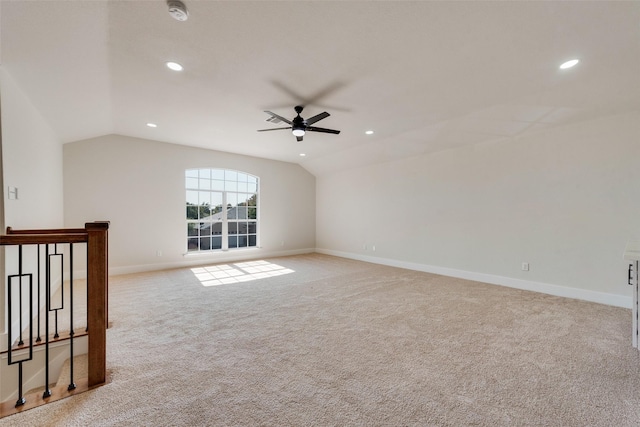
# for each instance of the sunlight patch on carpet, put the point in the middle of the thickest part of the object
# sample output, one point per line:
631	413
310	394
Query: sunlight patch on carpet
225	274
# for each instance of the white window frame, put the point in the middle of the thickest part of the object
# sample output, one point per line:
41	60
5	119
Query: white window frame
200	183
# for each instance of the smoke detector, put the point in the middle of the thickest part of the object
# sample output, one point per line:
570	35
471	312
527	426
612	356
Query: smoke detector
178	10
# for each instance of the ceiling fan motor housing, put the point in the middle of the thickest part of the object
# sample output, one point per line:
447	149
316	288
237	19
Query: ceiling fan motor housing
299	123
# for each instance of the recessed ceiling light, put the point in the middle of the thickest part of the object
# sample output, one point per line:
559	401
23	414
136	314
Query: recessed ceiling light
152	125
369	132
569	64
174	66
302	155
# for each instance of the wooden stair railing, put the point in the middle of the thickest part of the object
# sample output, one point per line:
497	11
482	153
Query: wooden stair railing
95	236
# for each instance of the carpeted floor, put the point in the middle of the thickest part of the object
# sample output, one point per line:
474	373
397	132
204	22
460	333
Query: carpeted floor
315	340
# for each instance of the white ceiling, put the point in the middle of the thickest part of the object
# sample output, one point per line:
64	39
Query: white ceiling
426	76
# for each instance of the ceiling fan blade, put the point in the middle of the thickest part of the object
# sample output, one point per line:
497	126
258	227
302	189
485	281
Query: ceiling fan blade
266	130
317	118
295	95
315	129
279	117
299	138
314	98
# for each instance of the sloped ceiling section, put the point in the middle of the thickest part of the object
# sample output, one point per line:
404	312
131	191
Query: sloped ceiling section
425	76
58	54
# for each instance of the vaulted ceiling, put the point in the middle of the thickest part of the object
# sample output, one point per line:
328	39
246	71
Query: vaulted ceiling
424	76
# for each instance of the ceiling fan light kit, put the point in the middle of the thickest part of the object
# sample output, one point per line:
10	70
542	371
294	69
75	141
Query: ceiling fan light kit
300	126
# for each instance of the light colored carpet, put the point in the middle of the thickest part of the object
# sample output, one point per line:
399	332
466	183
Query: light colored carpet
336	342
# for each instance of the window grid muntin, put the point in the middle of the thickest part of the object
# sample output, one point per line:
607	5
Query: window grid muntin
238	191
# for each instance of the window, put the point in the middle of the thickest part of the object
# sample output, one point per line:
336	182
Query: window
222	209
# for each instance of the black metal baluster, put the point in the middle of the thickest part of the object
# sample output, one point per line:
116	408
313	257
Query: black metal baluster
21	399
20	341
86	284
39	291
47	390
55	322
72	385
56	335
49	281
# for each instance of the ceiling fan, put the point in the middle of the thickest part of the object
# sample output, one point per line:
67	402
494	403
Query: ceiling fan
299	126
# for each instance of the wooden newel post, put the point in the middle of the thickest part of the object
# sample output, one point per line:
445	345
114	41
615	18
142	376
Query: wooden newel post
97	303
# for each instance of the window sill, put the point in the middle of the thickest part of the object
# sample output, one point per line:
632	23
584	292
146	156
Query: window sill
219	252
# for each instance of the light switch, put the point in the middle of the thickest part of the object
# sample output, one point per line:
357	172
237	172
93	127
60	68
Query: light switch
13	193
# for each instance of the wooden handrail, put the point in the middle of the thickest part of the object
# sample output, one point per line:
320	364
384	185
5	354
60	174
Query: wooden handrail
42	239
50	236
46	236
48	231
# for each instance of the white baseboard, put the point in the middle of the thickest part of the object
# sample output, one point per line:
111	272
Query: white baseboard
191	260
545	288
528	285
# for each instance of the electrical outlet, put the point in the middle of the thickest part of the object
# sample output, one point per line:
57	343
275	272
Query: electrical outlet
158	253
373	248
525	266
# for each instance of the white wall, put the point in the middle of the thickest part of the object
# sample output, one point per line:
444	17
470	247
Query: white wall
564	200
138	185
32	162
